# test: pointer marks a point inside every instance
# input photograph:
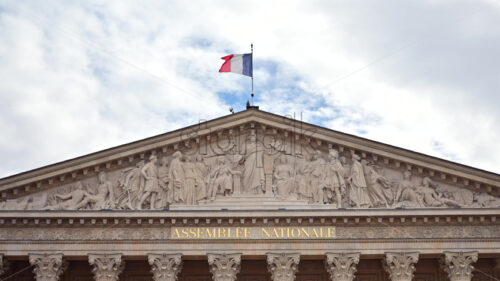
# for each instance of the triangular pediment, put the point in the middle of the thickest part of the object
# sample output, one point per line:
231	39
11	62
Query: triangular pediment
251	160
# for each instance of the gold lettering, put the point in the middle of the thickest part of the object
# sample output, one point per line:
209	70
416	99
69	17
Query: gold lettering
246	233
193	232
266	233
315	232
276	233
176	231
331	232
210	234
185	232
295	232
306	233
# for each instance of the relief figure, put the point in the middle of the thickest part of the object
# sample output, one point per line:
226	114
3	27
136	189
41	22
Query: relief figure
358	193
132	184
104	199
283	176
406	193
379	188
176	175
334	186
220	179
253	172
151	183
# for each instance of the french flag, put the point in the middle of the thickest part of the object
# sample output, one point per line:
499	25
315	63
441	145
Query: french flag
238	63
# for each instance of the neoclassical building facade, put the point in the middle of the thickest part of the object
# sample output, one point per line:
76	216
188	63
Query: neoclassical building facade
251	196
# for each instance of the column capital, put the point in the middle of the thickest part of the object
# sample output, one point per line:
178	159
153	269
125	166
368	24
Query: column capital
224	267
400	265
341	266
106	267
458	265
165	267
283	266
48	267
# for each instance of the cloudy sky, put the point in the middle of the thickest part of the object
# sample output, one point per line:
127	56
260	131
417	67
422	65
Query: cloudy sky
78	77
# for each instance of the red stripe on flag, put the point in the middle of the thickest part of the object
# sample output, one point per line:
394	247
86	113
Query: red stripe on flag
226	66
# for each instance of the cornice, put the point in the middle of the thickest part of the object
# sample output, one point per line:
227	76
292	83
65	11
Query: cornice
409	217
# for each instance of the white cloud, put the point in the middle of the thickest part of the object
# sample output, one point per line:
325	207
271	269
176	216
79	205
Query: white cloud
78	77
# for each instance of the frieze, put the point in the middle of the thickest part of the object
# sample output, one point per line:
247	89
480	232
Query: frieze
254	170
247	233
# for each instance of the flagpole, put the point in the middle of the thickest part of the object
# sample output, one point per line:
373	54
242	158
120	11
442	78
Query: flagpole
251	48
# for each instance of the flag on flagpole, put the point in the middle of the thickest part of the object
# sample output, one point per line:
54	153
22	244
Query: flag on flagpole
238	63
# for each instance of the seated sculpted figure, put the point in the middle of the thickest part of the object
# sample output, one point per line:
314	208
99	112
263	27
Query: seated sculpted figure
406	194
72	200
430	197
103	199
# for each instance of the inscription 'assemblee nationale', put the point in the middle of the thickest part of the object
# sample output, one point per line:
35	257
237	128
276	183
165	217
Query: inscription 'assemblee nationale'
253	233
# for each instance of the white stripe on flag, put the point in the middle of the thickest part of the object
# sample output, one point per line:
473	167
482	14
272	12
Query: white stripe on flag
237	64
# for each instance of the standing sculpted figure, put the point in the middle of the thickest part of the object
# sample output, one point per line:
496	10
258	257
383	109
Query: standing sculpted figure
132	183
358	190
253	173
104	198
151	183
219	181
201	177
405	193
334	181
303	168
378	187
176	175
165	197
317	177
190	188
283	176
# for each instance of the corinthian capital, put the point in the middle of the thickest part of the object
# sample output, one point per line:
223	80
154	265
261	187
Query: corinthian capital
341	266
283	266
165	267
47	267
106	267
224	267
400	266
458	265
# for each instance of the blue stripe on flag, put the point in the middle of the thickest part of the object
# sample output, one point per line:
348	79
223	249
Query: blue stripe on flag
247	65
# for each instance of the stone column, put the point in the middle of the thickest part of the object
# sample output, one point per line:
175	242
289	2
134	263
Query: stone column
48	267
106	267
458	265
165	267
224	267
400	265
4	265
341	266
283	266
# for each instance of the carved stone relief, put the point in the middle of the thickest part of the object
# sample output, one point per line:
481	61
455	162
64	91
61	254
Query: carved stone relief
400	266
458	265
251	168
106	267
341	266
224	267
47	267
165	267
283	266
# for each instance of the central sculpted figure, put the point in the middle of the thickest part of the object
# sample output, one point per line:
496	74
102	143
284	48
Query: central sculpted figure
253	173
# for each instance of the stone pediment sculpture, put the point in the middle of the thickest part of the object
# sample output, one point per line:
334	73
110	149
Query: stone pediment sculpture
251	160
